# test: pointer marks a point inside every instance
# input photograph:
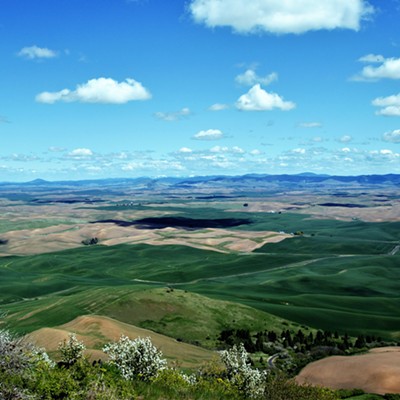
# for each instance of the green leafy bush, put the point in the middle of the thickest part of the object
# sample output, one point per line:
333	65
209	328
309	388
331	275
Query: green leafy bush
71	350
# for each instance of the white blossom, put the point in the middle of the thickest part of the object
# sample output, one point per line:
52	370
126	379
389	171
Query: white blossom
16	354
137	358
240	373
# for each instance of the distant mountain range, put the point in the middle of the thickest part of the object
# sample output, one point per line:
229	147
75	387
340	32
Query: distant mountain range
247	180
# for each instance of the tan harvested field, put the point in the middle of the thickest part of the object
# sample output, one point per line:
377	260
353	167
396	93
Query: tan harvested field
95	331
372	213
66	236
375	372
60	226
61	237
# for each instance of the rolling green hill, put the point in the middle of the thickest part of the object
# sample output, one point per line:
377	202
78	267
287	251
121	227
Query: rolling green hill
321	281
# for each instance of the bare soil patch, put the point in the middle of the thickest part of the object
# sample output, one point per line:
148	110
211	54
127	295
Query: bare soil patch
375	372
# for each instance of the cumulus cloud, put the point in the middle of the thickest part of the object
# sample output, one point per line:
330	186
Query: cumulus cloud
218	107
390	106
258	99
256	152
101	90
392	136
372	58
173	116
237	150
310	125
161	165
33	52
391	111
281	17
83	162
345	139
250	78
80	153
21	157
299	150
219	149
185	150
386	152
209	134
389	68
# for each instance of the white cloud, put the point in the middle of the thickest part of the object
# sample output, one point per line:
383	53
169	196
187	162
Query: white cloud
299	151
391	111
101	90
310	125
185	150
209	134
85	162
392	136
393	100
219	149
257	99
237	150
390	105
372	58
80	153
386	152
218	107
280	17
22	157
389	69
121	156
173	116
345	139
165	166
33	52
256	152
250	78
56	149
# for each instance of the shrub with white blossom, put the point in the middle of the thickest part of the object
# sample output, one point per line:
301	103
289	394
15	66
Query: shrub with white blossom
137	358
17	354
71	350
250	381
19	360
11	354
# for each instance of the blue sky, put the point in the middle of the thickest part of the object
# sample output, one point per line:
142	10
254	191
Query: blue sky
127	88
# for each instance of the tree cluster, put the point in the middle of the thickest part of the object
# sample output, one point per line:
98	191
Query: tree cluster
299	340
